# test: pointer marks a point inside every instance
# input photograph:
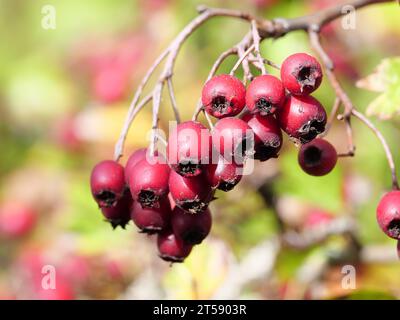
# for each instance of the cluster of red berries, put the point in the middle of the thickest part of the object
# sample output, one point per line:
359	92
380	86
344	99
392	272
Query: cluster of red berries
169	195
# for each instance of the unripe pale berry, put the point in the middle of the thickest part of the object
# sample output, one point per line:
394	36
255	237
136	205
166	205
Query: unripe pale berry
119	215
189	147
152	220
388	214
317	157
301	74
191	228
302	118
171	248
223	96
233	139
192	194
225	175
265	94
267	135
107	183
149	181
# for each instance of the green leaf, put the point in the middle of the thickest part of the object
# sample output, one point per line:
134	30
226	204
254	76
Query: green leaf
385	79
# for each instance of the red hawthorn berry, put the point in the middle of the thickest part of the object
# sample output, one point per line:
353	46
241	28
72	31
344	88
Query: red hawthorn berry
191	228
225	175
107	183
192	194
119	214
265	94
16	220
302	118
233	139
301	74
148	181
152	220
223	96
133	159
171	248
317	157
267	136
189	147
388	214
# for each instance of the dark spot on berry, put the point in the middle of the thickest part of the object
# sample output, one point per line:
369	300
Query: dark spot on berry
220	104
147	198
265	152
226	185
264	105
310	130
188	167
394	228
305	76
150	230
108	197
171	259
193	237
193	206
312	156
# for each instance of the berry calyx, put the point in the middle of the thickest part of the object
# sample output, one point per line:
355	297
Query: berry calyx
267	135
223	96
190	194
119	215
107	183
16	220
189	147
191	228
265	94
302	118
233	139
301	74
388	214
317	157
152	220
171	248
224	175
149	181
133	159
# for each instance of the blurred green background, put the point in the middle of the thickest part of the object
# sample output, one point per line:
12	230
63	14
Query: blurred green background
64	93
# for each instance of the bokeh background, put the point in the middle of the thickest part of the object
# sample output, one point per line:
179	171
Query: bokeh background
64	93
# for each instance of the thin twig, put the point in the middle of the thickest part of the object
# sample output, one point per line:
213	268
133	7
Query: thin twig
256	41
173	100
332	117
241	59
389	156
220	60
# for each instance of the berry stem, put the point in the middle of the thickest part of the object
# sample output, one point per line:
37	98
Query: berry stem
240	61
389	156
256	41
173	100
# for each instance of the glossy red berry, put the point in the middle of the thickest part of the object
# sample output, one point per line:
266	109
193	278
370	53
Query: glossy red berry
107	183
265	94
223	96
191	228
119	215
225	175
189	147
267	135
190	194
152	220
171	248
317	157
388	214
301	74
16	220
233	139
302	118
133	159
148	181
